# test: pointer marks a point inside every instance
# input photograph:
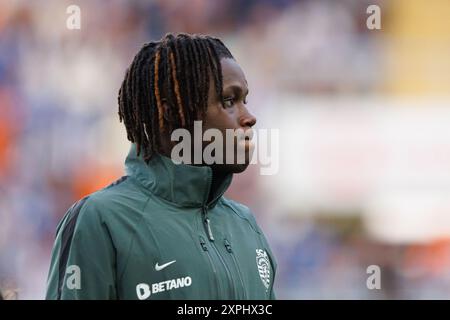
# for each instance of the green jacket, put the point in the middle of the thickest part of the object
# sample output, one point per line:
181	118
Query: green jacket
152	235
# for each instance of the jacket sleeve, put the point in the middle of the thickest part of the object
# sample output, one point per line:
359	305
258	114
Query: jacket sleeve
83	256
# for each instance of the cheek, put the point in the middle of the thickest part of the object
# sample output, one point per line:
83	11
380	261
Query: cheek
221	119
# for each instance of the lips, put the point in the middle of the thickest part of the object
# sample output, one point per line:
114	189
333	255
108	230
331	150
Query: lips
244	135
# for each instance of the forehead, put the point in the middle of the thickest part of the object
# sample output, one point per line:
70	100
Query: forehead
232	73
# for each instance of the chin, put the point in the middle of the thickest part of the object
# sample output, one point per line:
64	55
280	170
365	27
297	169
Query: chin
238	168
230	168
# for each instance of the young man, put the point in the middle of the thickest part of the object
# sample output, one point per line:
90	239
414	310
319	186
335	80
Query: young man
165	231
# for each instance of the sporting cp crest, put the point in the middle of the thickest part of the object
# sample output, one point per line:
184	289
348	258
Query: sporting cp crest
263	263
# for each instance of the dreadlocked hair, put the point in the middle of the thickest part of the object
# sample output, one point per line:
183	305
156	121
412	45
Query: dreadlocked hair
175	70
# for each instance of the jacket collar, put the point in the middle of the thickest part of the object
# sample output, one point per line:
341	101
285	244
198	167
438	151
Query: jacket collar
185	185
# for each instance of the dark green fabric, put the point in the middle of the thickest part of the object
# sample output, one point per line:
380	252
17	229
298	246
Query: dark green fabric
115	240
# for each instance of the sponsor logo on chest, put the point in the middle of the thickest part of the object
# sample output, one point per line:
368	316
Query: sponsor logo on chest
144	290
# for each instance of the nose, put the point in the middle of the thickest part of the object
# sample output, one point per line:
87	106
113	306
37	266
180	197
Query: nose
247	119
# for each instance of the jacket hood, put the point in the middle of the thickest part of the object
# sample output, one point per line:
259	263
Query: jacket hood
182	184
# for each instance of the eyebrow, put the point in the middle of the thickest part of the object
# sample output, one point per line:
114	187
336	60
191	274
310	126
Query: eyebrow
236	89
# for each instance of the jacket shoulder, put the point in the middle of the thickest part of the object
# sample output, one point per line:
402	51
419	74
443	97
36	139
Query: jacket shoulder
242	211
120	196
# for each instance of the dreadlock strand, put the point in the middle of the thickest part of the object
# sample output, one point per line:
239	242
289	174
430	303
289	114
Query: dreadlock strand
157	92
177	89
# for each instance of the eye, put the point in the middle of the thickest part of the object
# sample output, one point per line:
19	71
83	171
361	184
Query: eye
228	102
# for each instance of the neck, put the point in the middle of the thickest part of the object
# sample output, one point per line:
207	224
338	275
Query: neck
217	178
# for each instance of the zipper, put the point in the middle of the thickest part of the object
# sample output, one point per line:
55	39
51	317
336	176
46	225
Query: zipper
230	251
205	248
206	223
208	231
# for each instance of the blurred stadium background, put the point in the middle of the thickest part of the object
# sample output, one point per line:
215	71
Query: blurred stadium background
364	119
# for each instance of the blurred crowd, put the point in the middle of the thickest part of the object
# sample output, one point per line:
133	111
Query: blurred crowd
60	136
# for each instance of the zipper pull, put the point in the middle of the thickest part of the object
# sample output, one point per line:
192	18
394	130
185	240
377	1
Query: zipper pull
227	246
203	244
209	230
206	221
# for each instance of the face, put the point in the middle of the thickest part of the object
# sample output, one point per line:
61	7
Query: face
231	113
